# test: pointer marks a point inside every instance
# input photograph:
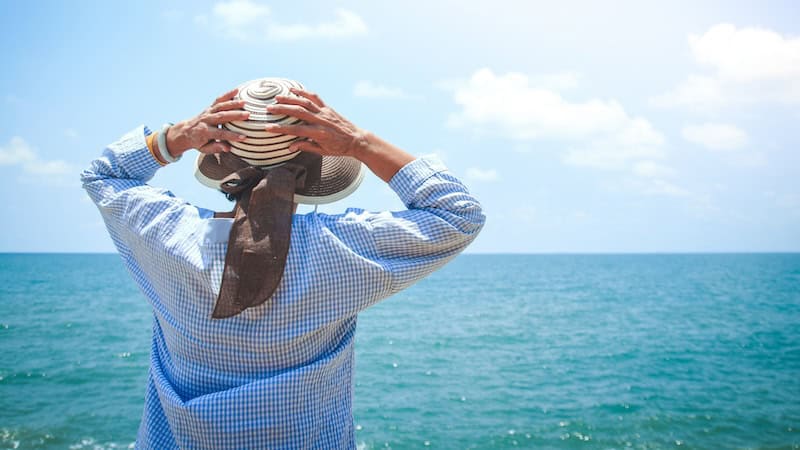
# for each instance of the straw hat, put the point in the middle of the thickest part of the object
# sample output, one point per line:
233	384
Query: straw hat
327	179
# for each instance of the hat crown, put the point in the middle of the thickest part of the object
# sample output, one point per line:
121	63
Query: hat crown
263	148
263	90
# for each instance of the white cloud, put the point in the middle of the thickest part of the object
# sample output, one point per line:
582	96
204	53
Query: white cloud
19	153
715	136
56	167
346	24
651	180
236	19
71	133
368	89
486	175
746	64
238	13
601	133
747	54
439	153
16	152
251	21
699	91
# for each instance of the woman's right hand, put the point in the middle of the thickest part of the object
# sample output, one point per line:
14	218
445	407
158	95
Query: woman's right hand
203	131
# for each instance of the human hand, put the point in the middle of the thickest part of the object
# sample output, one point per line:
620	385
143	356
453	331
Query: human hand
325	131
203	132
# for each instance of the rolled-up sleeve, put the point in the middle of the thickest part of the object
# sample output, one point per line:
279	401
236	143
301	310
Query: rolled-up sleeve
142	220
374	255
442	219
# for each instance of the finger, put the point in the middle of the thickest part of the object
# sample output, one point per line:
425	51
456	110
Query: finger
225	116
222	134
295	111
306	146
215	147
299	101
226	96
306	131
226	106
309	95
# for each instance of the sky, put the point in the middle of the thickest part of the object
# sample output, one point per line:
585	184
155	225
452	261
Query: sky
582	127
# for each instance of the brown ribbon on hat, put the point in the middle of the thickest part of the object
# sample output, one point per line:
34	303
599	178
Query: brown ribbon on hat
259	238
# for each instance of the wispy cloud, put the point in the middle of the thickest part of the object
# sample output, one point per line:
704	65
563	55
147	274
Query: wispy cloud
715	136
19	153
345	24
598	133
654	178
484	175
238	13
247	20
368	89
745	65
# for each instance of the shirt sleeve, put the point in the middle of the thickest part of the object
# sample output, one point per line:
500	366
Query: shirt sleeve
387	252
140	218
442	219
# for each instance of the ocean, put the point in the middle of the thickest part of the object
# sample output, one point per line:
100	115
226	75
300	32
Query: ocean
491	352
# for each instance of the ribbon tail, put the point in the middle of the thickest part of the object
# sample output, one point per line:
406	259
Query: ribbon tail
258	244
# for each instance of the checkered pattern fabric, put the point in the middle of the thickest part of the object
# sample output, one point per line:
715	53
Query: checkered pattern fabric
278	375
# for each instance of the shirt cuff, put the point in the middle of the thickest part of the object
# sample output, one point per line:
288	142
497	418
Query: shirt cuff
408	181
133	156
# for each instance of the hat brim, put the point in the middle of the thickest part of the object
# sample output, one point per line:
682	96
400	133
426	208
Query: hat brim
340	177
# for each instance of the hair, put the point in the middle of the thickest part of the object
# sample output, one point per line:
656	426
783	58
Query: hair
232	197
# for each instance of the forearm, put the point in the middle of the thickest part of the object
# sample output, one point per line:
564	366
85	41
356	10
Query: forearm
172	149
382	158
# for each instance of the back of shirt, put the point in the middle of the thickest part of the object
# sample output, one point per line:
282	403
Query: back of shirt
279	374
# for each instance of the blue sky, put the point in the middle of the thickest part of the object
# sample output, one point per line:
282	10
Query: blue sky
624	127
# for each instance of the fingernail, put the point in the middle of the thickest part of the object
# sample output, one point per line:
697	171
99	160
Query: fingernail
242	136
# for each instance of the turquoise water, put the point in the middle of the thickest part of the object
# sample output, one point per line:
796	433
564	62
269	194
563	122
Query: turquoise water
606	351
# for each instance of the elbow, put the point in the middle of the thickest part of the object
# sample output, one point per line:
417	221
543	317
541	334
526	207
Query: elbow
464	226
90	173
469	217
87	176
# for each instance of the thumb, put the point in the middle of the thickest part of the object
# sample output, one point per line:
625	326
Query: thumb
214	147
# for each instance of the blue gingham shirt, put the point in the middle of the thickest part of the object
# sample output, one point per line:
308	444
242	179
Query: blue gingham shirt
279	375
